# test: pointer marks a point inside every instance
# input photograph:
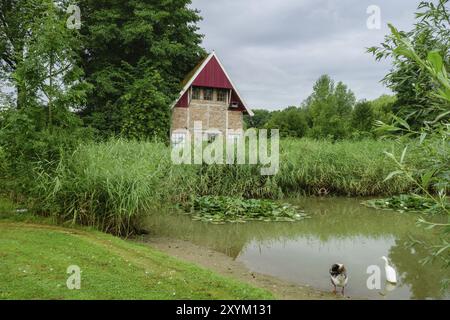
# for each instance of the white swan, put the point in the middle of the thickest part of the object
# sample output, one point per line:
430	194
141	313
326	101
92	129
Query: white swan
391	275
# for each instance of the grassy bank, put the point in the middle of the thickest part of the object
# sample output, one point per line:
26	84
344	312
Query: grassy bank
35	258
113	185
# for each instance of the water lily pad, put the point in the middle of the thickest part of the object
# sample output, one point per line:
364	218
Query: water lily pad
219	210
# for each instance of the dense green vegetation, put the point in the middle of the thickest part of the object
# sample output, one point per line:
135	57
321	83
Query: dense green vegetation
430	124
413	85
120	71
77	90
331	112
135	54
408	203
113	185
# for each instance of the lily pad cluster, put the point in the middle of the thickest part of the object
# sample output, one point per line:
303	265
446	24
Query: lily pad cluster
407	203
220	210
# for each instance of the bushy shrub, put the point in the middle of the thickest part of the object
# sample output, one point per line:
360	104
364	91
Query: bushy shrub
27	145
108	185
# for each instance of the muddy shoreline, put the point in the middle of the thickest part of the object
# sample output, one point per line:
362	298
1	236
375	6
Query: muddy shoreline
226	266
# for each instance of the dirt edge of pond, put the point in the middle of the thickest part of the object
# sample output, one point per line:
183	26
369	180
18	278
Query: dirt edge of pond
226	266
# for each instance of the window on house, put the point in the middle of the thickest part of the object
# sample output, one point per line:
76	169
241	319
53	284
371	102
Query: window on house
207	94
222	95
196	93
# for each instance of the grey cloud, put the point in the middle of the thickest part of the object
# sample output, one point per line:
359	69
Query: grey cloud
275	50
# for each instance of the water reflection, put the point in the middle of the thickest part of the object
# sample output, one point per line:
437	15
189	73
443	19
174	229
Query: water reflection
424	281
340	230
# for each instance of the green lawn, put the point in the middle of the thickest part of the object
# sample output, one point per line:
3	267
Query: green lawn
34	260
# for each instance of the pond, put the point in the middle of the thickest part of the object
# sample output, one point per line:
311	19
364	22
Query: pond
339	230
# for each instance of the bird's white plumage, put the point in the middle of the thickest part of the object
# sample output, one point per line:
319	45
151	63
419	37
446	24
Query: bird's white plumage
391	275
340	280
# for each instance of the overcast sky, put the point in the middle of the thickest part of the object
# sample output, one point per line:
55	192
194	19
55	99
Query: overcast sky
274	50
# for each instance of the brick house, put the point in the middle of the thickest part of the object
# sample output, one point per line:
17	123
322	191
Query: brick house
209	96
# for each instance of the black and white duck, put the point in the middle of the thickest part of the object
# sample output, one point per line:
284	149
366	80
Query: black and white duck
339	276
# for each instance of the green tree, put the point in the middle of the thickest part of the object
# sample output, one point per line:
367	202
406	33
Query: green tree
259	119
329	109
144	109
344	100
291	122
412	85
122	40
16	18
49	69
383	107
363	117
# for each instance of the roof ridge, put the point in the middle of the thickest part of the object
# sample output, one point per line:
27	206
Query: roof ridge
192	75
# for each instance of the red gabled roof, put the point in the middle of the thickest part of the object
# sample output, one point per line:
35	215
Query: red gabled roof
212	75
209	73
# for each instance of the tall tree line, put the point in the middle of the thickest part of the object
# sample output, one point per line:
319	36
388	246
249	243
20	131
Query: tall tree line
330	112
120	71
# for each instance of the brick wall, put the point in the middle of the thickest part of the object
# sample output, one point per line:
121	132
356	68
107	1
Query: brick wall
235	120
212	114
179	118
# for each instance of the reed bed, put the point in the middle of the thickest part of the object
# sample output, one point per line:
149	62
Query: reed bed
113	185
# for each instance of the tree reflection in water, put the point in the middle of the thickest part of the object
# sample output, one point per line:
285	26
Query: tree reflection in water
425	280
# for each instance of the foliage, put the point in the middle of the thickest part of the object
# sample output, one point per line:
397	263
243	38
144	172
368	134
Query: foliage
382	107
116	184
258	120
16	19
433	135
217	209
49	70
335	117
143	111
128	45
44	69
330	108
349	168
24	150
408	203
436	170
110	186
363	117
291	122
412	84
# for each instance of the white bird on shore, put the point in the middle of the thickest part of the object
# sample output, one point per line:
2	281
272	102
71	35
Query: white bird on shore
339	276
391	275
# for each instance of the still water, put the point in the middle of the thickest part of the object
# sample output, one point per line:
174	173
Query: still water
339	230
